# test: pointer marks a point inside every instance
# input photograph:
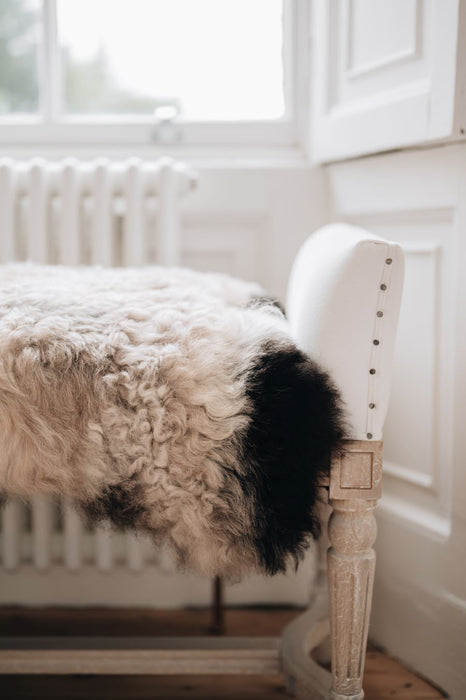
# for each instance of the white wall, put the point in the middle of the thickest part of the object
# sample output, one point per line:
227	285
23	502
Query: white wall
251	221
419	199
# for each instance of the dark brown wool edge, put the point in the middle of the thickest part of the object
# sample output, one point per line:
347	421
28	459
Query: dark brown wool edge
123	504
297	422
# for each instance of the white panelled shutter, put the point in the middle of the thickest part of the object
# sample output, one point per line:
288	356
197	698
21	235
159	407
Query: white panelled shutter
386	74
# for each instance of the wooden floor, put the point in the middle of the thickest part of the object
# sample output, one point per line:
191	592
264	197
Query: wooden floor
385	679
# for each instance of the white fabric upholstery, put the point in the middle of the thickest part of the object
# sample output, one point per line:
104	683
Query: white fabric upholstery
337	308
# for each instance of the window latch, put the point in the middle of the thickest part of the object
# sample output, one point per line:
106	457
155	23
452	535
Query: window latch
166	130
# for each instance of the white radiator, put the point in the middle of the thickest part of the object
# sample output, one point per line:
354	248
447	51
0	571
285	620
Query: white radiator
108	213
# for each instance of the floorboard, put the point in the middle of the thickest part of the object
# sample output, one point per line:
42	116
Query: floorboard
385	678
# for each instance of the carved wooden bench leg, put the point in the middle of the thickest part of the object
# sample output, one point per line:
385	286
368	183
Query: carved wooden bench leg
355	485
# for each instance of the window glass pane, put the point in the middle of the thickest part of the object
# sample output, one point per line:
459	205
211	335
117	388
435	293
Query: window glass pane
20	28
210	59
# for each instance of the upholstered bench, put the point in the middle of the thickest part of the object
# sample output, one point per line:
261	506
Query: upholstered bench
186	406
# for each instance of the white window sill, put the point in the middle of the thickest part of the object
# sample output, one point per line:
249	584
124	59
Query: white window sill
212	157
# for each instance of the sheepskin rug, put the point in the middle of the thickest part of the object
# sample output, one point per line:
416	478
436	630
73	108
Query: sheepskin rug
167	402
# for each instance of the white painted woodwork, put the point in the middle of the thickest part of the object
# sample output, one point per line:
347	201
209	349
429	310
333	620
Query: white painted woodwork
168	225
69	233
386	74
36	193
11	535
416	360
101	229
103	543
72	537
419	612
134	553
42	531
134	244
7	205
145	134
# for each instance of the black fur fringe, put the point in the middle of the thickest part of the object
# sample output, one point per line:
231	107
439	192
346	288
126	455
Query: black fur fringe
297	422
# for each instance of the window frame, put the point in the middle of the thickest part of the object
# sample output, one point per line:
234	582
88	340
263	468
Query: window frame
55	129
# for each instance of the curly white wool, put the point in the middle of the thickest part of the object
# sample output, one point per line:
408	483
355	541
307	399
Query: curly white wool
135	377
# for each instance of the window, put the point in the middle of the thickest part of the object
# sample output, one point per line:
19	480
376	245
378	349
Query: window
192	71
20	37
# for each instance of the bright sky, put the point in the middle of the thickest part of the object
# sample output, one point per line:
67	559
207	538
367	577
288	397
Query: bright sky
222	57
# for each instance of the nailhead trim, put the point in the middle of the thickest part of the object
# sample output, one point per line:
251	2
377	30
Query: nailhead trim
374	366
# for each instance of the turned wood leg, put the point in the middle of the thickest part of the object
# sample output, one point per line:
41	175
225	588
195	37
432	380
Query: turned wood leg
355	484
